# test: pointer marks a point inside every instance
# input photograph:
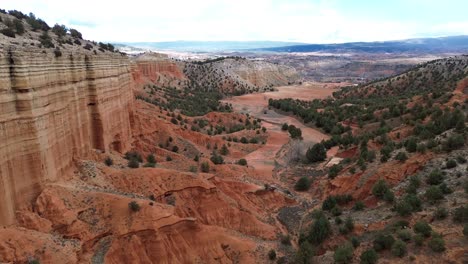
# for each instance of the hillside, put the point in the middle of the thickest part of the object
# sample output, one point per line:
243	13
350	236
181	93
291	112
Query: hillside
399	168
436	76
238	75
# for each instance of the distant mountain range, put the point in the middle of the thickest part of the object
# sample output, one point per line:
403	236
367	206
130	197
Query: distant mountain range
420	45
208	46
456	44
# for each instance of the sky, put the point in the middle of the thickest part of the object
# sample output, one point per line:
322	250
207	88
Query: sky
308	21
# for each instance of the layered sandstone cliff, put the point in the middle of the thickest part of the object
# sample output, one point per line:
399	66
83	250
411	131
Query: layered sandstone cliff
157	68
54	109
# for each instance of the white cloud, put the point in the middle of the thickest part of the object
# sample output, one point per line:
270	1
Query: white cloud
317	21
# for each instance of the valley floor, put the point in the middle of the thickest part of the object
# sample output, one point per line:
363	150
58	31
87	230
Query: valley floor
256	105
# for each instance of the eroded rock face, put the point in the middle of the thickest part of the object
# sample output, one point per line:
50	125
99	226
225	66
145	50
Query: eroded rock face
53	110
157	68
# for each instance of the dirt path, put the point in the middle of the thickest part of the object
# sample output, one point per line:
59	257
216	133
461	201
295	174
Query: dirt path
263	159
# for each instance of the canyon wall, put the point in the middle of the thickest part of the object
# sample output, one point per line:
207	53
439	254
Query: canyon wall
157	68
54	109
261	73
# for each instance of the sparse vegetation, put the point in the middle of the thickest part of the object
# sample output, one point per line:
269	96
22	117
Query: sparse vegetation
423	228
369	257
316	153
134	206
205	167
272	254
242	162
108	161
303	184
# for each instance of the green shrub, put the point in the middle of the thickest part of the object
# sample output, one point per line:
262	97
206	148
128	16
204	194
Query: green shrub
437	244
380	188
168	158
445	189
294	132
242	162
329	203
336	211
134	206
34	261
319	230
193	169
334	170
435	177
451	163
404	235
88	46
441	213
57	52
348	226
414	183
401	156
272	254
8	32
205	167
149	165
411	145
382	242
18	26
151	158
285	127
389	196
355	242
461	159
285	240
399	248
224	150
216	159
133	155
108	161
133	163
359	206
46	40
423	228
304	254
59	30
369	257
465	230
244	140
460	214
403	208
433	194
303	184
455	141
316	153
343	254
75	33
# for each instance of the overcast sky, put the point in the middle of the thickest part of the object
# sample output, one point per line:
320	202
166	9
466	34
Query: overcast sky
312	21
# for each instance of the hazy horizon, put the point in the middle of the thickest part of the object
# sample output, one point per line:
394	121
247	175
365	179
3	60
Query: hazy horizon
319	21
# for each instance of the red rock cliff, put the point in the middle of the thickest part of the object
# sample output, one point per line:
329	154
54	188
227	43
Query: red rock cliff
54	109
157	68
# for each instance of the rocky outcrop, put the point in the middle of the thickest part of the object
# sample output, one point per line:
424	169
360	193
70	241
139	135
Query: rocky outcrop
55	108
261	73
157	68
238	75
